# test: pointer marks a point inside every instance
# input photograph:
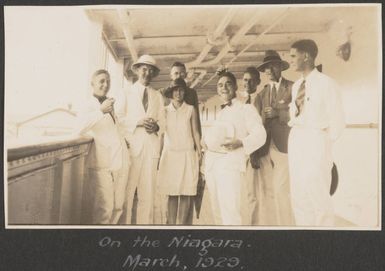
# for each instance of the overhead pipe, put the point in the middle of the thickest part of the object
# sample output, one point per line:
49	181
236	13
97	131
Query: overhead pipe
216	34
104	36
127	34
238	36
202	74
276	21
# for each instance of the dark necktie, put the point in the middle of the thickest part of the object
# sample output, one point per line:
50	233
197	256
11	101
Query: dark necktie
273	95
248	101
300	100
226	104
145	99
101	99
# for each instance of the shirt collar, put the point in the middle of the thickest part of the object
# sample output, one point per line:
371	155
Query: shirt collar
253	95
172	108
311	75
277	84
101	99
139	88
229	103
139	85
234	101
243	100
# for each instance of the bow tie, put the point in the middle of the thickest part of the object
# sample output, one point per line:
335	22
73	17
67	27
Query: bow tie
226	104
101	99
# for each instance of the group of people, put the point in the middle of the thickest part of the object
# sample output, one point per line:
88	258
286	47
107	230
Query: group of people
266	149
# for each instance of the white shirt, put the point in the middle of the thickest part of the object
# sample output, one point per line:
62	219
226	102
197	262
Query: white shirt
109	150
244	97
248	128
129	109
322	106
253	96
276	84
130	101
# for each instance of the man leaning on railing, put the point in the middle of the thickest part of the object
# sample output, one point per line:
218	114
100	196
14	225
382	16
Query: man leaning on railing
108	160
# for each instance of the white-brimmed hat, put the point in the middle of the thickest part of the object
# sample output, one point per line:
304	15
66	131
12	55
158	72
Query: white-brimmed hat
146	59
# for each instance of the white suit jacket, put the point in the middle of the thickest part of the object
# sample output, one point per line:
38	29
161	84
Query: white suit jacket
109	150
130	110
322	109
248	128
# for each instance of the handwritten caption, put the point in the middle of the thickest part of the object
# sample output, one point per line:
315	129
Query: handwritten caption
177	253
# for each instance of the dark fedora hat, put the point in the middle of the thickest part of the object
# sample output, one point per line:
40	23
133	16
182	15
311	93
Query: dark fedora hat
179	82
272	56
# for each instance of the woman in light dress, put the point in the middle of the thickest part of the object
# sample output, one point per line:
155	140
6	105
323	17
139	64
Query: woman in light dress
181	154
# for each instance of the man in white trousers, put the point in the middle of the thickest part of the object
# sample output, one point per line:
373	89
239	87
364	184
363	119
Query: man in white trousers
273	105
225	162
317	120
250	194
142	119
108	160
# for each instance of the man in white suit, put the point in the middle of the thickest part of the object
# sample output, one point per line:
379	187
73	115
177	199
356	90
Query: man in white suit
142	119
108	160
317	120
250	81
236	133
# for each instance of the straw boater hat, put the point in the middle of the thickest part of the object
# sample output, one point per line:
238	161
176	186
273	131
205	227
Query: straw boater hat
146	59
179	82
272	56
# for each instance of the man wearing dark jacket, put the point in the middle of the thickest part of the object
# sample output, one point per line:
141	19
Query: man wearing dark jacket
273	105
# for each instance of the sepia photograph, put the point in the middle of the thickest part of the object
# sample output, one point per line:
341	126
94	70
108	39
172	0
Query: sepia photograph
245	117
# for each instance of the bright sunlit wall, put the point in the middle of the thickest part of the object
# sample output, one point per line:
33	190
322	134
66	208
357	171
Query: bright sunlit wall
46	59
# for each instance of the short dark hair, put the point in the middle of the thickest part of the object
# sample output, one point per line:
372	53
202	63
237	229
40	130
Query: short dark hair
230	76
307	46
253	72
178	64
101	71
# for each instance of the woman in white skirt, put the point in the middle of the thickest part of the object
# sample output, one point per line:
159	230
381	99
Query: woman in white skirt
181	154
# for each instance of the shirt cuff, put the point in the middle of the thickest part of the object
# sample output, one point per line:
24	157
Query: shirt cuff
247	145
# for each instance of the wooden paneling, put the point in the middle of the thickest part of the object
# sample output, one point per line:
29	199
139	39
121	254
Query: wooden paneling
45	184
72	190
30	198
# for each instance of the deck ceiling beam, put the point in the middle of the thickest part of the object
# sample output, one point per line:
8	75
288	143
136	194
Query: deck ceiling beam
249	34
215	35
125	24
278	19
